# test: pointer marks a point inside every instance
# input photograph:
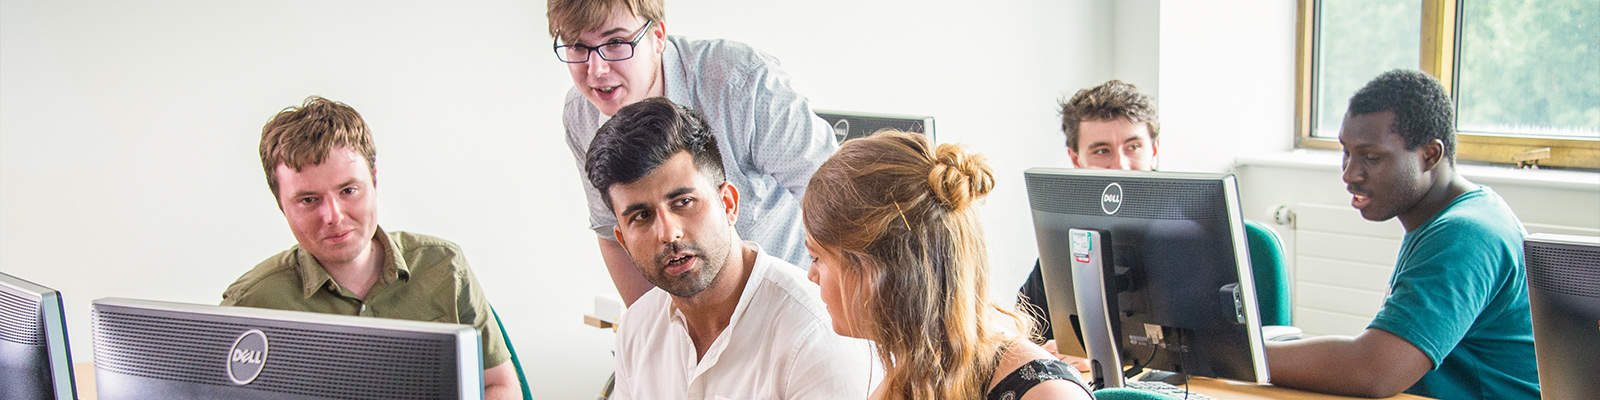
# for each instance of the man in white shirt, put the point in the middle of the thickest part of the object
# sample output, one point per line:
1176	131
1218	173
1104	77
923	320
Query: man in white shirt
725	320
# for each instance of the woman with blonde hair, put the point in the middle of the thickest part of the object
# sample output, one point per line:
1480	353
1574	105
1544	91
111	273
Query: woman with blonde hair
900	258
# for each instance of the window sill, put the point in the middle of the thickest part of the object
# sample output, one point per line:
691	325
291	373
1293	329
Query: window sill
1490	174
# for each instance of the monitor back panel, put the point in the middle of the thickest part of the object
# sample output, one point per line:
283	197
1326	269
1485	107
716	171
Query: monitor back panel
854	125
1180	240
28	367
151	351
1564	296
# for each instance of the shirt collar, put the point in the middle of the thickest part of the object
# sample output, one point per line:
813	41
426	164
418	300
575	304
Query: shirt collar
758	271
314	277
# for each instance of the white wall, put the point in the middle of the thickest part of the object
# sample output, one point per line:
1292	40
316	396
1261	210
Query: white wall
128	133
1136	45
1226	81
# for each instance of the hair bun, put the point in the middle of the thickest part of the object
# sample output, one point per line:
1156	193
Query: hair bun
959	178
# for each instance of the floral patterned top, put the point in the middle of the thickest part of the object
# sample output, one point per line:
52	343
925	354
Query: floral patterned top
1033	373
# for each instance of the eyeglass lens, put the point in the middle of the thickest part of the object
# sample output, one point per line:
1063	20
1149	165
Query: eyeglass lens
616	51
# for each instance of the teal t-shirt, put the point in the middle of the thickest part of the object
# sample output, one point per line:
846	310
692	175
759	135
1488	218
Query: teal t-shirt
1460	295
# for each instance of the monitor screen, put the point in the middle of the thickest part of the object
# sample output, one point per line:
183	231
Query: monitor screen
34	359
1178	290
1564	296
150	349
850	125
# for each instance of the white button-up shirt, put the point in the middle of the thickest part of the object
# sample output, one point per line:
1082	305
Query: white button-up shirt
779	344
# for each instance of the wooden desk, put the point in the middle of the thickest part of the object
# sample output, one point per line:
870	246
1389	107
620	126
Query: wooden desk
83	380
1224	389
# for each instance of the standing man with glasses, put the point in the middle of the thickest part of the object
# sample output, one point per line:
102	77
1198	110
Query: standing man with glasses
618	53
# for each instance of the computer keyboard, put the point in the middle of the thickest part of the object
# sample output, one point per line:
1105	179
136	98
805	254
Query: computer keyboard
1165	389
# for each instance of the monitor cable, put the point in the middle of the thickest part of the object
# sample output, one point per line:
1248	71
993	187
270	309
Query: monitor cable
1182	362
1138	367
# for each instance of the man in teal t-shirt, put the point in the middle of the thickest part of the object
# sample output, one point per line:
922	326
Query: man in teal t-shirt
1456	323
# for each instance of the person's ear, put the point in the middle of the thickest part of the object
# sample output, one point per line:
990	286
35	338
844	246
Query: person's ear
1155	154
1432	153
730	201
660	33
1073	155
616	231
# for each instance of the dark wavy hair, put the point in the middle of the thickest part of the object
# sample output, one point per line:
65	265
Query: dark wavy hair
641	137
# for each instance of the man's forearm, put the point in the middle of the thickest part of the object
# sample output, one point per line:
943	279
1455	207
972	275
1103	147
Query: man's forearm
1336	365
1317	364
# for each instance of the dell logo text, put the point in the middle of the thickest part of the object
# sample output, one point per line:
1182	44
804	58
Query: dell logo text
1111	198
247	357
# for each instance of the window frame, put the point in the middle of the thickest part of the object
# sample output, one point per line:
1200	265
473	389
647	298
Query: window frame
1439	46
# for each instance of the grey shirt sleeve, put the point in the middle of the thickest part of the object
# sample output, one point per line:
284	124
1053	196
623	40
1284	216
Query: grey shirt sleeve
581	121
787	140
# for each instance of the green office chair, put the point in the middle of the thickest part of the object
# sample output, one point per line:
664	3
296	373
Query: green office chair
1128	394
1271	274
527	393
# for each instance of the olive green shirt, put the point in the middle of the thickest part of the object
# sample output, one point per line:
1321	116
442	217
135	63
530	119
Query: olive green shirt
424	278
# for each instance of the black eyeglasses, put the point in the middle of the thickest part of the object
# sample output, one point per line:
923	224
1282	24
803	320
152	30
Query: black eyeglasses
614	51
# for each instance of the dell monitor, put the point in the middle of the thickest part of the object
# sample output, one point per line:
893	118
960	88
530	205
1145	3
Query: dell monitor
1564	296
849	125
1154	266
34	359
151	349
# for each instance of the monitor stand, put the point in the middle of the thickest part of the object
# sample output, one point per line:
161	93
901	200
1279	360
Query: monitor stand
1093	287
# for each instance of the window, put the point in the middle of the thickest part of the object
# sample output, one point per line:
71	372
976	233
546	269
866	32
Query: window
1523	73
